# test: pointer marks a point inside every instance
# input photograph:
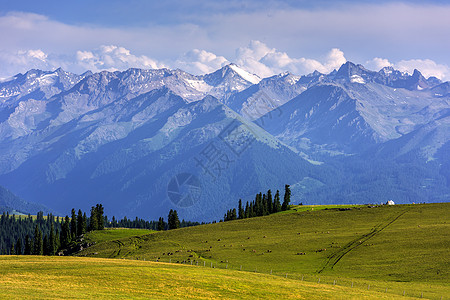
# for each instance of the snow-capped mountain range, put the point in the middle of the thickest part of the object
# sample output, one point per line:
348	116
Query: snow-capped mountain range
124	138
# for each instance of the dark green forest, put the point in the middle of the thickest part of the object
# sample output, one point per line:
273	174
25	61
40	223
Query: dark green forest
263	205
50	235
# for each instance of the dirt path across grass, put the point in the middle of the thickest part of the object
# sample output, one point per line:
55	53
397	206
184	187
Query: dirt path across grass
334	258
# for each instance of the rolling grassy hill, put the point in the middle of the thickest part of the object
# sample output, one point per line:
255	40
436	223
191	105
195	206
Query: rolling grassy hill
37	277
324	251
402	247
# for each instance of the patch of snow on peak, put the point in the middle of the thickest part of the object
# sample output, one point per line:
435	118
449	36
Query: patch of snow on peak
47	79
387	70
199	85
293	79
246	75
357	79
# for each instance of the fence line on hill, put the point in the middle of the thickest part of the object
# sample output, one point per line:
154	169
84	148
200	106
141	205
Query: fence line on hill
313	278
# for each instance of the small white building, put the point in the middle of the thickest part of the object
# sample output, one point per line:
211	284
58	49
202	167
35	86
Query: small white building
390	202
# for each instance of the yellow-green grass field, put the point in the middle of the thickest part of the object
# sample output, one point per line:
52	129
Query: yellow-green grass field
324	251
101	236
404	248
26	277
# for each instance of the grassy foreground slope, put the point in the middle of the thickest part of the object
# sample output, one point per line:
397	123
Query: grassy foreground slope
402	247
23	277
113	234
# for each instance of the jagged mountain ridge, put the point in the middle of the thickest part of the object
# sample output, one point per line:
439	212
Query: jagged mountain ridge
131	148
122	136
275	91
37	85
397	122
352	109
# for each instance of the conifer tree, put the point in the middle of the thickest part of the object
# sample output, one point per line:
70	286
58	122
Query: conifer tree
233	214
38	247
161	224
84	225
176	220
252	212
287	198
73	225
269	201
258	205
240	210
264	205
173	220
57	240
80	229
12	251
276	202
19	247
65	233
93	220
28	246
45	245
51	241
100	217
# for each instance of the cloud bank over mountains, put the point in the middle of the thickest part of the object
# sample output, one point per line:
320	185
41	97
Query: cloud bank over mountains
256	58
306	39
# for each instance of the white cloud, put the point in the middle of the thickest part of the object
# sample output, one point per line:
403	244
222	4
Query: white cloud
200	62
103	58
258	58
23	60
250	58
38	54
255	50
363	30
301	34
377	64
113	58
426	66
334	60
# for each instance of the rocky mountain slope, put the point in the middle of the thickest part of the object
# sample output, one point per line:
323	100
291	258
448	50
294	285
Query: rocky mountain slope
144	141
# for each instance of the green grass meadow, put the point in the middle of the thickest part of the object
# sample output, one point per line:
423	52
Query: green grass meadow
114	234
26	277
309	252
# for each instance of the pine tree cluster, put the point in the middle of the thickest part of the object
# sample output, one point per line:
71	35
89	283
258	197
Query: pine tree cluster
153	225
47	236
43	235
263	205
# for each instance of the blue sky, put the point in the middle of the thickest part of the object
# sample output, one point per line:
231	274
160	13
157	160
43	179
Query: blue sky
264	37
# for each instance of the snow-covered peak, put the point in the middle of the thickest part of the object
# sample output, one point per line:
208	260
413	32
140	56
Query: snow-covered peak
244	74
288	77
40	84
